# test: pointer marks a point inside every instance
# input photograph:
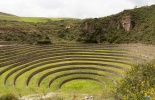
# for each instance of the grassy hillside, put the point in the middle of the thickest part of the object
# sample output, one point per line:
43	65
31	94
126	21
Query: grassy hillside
10	17
136	25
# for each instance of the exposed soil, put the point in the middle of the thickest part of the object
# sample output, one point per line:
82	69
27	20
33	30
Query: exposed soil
144	51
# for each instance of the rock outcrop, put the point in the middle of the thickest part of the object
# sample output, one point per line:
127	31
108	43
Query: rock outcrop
89	27
126	23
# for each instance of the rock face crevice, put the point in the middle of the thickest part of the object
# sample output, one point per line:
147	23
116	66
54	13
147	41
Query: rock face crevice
89	27
126	23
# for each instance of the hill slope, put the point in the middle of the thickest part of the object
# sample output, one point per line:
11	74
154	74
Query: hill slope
136	25
5	16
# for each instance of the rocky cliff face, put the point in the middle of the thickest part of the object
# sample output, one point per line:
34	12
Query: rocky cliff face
89	27
126	23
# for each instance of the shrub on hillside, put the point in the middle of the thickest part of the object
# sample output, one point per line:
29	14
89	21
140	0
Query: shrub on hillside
8	97
139	84
43	42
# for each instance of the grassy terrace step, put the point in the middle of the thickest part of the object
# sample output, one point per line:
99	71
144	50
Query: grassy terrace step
10	58
33	57
57	77
67	74
50	61
57	50
94	45
13	50
65	58
116	47
84	45
11	47
57	46
55	62
56	83
40	57
50	53
33	80
21	84
27	53
23	72
49	57
56	65
72	63
47	70
100	47
85	78
38	51
57	54
61	49
110	55
111	59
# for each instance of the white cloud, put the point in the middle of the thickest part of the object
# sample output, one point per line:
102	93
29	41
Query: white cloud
151	2
140	3
69	8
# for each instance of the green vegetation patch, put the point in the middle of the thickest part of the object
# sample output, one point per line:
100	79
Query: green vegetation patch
21	63
82	86
139	84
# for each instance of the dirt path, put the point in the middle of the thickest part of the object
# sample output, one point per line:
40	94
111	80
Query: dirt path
4	45
38	97
7	45
55	96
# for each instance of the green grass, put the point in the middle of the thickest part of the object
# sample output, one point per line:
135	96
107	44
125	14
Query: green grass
42	19
82	86
30	19
55	54
10	18
33	19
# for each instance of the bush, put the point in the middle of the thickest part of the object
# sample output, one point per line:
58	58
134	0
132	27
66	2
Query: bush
139	84
44	42
8	97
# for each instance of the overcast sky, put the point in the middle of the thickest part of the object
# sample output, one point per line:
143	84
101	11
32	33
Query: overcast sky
69	8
